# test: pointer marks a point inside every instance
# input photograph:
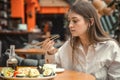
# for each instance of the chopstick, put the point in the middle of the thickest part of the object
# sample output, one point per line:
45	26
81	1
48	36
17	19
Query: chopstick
52	38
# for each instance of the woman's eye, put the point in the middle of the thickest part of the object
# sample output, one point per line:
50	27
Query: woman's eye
74	21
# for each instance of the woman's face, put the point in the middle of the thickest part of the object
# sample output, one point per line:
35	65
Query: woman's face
77	25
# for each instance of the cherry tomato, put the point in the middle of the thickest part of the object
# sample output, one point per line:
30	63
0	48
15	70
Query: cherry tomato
15	73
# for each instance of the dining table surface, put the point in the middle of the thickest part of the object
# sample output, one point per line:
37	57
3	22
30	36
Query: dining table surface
65	75
30	51
73	75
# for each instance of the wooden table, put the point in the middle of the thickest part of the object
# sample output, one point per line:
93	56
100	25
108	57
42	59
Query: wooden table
29	51
73	75
68	75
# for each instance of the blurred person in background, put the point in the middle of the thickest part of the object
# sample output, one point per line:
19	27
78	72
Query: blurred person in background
102	7
89	49
47	29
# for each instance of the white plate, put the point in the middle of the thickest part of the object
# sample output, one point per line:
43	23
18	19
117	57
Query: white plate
25	78
58	70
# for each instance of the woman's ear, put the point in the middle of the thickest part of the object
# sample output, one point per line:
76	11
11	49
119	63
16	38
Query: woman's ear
91	21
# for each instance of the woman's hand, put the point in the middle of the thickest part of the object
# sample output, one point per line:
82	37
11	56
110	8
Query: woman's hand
48	45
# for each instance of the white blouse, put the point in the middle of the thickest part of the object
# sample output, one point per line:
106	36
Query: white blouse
102	60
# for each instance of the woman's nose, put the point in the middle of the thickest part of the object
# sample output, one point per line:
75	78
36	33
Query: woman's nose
70	25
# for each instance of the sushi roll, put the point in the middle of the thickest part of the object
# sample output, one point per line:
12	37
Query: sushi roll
48	72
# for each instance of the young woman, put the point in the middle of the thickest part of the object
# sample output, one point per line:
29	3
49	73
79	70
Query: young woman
89	49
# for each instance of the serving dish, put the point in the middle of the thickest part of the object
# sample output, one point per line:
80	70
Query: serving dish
27	78
6	71
59	70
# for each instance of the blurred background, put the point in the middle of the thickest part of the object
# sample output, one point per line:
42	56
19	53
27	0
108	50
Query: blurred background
24	21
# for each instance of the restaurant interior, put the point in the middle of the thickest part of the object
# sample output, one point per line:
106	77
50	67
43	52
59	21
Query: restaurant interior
22	22
25	24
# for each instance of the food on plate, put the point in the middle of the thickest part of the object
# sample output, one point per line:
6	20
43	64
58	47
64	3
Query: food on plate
20	75
24	70
47	72
15	73
52	66
34	73
29	72
7	72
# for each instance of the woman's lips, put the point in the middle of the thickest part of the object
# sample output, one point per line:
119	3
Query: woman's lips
72	30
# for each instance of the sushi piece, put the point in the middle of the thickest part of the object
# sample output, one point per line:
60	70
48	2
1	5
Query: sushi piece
48	72
34	73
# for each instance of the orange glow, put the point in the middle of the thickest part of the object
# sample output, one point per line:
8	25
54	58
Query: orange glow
17	9
33	6
53	10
